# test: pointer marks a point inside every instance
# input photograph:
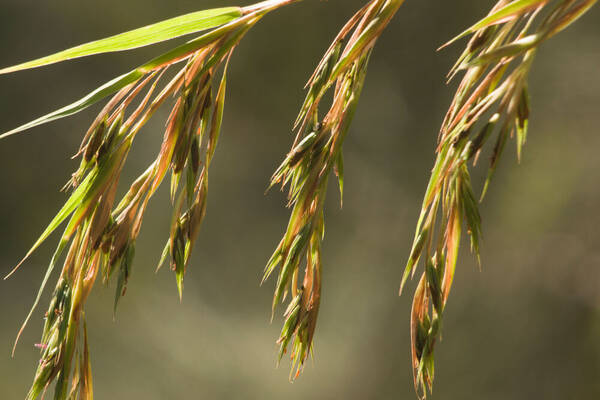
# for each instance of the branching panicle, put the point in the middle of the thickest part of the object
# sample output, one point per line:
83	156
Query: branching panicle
317	150
101	236
492	101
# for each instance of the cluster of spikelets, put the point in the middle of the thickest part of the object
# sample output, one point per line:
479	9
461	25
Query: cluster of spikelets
490	104
101	233
316	152
491	101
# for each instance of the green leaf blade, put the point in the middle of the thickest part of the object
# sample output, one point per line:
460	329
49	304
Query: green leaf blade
147	35
133	76
92	98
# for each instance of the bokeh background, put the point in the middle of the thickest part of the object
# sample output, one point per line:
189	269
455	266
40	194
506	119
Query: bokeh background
526	326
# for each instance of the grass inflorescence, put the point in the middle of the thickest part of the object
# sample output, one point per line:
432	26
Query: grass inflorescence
101	232
315	154
491	104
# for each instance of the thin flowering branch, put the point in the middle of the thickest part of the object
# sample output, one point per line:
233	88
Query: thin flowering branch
267	5
100	235
316	152
492	98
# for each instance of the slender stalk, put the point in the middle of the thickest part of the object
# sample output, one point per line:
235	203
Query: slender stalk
267	5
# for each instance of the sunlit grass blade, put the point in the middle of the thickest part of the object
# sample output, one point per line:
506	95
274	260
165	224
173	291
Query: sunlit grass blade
147	35
92	98
122	81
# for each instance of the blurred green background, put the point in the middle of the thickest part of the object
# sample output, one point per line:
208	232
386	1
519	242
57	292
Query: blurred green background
526	326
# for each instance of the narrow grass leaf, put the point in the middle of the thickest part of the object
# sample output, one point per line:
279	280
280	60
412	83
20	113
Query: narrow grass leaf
147	35
120	82
95	96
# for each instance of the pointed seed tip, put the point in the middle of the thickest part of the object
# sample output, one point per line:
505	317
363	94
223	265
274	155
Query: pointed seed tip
442	46
15	268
